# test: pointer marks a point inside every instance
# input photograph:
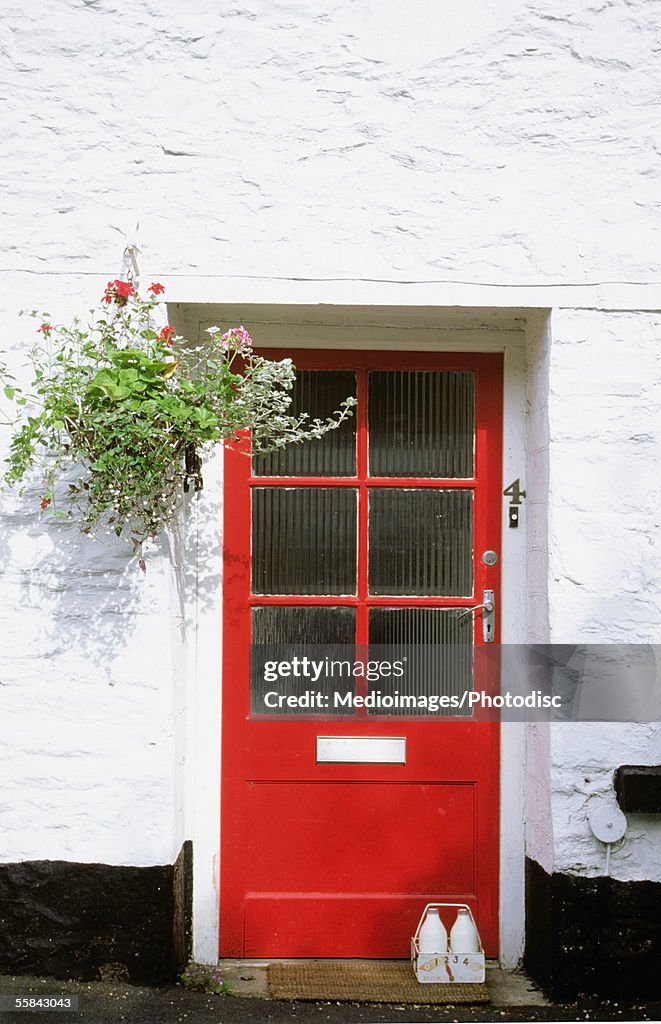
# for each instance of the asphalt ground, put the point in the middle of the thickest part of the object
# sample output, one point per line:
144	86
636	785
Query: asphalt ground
120	1003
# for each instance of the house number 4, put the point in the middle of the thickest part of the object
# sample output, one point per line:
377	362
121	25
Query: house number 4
516	496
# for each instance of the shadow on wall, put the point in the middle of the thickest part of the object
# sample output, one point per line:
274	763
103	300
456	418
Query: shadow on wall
70	590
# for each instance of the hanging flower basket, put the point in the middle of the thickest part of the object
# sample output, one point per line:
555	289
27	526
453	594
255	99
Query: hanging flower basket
121	414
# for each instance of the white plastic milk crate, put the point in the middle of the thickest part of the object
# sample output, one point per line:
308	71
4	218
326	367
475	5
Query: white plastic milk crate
446	966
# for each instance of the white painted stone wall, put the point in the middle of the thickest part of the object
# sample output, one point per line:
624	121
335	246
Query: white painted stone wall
594	564
506	141
501	154
604	559
88	660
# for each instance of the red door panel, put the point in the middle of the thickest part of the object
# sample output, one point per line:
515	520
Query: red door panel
407	836
408	848
338	860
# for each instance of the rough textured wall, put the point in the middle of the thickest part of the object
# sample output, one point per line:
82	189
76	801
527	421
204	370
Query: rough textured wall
604	559
605	416
86	678
507	142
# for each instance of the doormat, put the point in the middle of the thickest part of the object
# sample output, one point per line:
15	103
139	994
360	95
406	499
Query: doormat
371	982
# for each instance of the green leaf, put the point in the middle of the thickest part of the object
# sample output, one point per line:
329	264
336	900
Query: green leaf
115	384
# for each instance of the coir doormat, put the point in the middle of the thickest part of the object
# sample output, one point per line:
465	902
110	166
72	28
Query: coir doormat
373	982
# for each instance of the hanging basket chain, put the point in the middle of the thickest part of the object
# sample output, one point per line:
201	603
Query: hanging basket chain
131	268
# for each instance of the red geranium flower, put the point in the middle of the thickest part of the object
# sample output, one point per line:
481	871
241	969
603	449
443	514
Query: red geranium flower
118	291
166	335
45	329
156	288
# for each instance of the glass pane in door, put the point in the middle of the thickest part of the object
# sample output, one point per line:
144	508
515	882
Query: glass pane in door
438	648
420	542
304	540
317	394
285	633
421	423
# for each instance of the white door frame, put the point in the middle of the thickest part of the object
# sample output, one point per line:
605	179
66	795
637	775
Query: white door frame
431	328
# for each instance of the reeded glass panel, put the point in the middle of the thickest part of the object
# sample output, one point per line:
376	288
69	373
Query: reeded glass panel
421	423
420	542
437	651
303	625
304	540
319	393
291	649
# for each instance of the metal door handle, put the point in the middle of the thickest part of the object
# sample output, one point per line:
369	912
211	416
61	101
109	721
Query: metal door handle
488	607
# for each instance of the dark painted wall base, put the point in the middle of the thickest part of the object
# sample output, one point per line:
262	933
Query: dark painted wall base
90	921
592	936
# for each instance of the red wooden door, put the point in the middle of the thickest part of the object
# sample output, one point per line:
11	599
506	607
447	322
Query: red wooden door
372	536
